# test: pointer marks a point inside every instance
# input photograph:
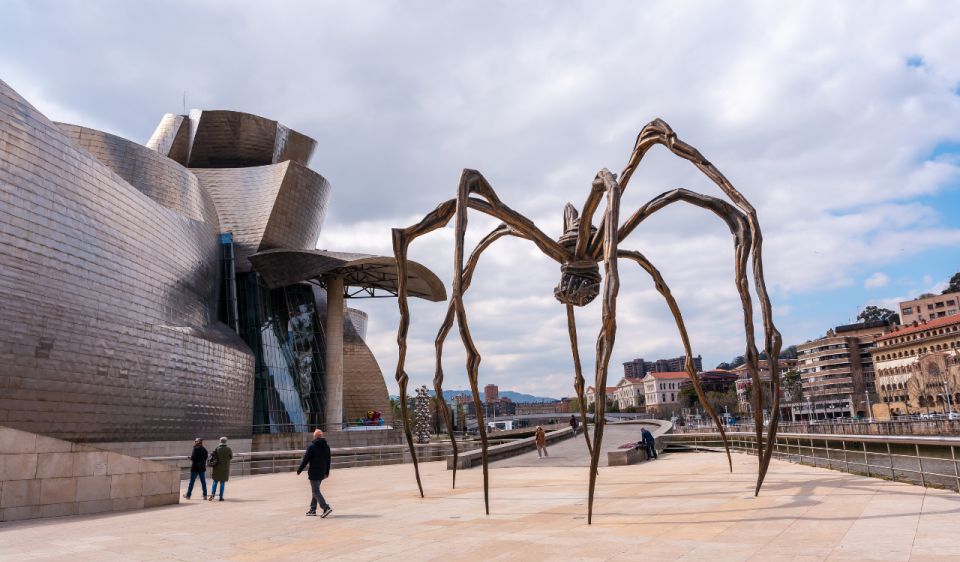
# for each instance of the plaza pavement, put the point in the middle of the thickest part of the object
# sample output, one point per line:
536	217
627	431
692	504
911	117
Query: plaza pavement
685	506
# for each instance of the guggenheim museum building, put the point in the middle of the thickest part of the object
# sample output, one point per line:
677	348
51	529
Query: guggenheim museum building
153	293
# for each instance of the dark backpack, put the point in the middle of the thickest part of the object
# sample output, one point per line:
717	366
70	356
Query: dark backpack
214	459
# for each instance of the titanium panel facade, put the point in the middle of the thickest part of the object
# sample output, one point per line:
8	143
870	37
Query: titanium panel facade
119	266
110	330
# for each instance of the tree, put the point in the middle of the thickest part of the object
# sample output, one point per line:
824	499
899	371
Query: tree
792	387
953	286
877	314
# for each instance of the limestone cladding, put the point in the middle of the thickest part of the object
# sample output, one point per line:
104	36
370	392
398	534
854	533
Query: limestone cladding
45	477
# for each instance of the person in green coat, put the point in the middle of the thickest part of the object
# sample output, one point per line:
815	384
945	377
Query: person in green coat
220	461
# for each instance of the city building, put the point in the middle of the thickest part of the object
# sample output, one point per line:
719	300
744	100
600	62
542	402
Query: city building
918	368
744	382
929	307
662	391
836	372
591	395
526	408
629	394
491	393
157	293
638	368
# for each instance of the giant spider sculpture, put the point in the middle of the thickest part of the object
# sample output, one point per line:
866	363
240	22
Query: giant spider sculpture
579	251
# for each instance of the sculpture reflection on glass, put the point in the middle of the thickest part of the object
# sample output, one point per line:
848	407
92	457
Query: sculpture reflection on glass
579	251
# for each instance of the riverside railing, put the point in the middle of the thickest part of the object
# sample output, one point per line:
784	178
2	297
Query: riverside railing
921	460
269	462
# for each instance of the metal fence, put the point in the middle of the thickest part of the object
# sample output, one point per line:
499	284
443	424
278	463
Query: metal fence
269	462
925	461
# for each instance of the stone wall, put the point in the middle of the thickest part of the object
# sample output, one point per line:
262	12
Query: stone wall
46	477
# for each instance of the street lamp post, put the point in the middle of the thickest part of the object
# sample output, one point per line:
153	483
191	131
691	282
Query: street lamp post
869	407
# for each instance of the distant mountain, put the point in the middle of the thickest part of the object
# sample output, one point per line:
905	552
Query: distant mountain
514	396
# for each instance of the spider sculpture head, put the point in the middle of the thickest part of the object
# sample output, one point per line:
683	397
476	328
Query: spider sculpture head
579	279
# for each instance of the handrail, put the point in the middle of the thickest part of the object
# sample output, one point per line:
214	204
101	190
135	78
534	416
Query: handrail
900	439
900	456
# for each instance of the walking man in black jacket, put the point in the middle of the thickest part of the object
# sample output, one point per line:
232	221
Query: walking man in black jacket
198	467
317	456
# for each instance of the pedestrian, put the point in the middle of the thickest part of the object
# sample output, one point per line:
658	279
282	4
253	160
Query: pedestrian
317	456
198	467
220	462
541	438
649	443
574	423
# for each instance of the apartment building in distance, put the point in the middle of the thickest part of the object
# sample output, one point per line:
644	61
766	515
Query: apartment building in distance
662	391
918	368
929	307
638	368
836	371
744	382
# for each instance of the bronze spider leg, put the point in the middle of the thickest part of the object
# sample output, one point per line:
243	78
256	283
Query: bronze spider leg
578	380
471	181
489	239
664	290
402	237
608	330
580	251
659	132
741	228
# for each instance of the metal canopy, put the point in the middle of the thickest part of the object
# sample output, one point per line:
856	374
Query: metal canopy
363	274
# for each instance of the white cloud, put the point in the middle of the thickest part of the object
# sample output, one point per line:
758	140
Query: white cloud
876	281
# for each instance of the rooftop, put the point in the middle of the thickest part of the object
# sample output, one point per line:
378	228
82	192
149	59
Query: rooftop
921	326
669	375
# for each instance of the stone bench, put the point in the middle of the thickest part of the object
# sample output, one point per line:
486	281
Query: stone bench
623	457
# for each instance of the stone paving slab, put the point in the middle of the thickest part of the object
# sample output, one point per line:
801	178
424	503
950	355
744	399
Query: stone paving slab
685	506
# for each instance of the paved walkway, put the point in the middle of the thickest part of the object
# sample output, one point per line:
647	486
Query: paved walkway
573	451
685	506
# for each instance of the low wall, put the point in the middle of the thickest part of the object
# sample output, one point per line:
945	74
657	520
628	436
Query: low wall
472	458
142	449
336	439
45	477
624	457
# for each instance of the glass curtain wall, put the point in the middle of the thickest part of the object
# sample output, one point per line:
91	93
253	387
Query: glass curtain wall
282	328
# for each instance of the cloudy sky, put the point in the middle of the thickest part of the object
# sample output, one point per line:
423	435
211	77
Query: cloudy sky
839	121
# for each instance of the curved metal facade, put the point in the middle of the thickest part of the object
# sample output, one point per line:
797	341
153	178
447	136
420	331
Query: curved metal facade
109	312
121	266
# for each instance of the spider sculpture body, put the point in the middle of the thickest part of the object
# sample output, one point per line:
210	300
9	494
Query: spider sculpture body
580	251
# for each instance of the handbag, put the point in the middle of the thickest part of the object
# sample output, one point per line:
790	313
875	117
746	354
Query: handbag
214	459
